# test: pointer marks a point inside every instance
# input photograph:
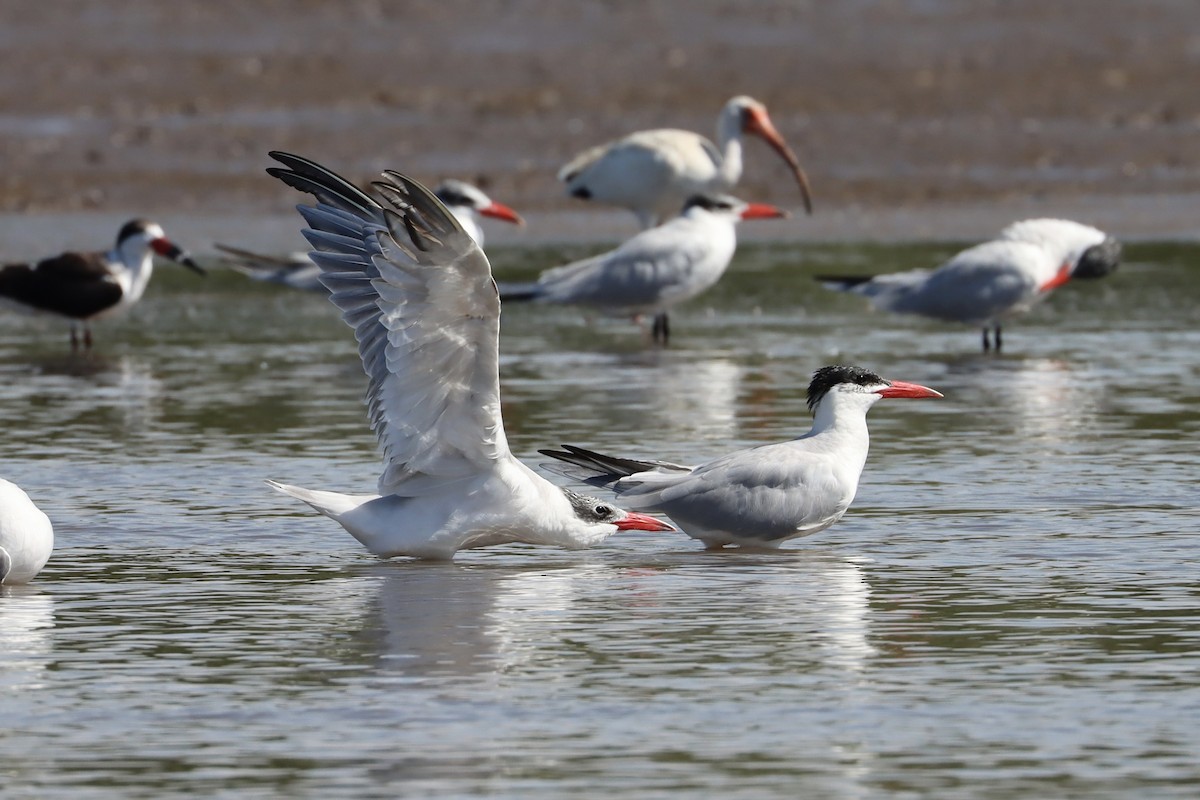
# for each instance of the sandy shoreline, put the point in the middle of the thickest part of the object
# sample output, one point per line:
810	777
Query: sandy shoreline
914	120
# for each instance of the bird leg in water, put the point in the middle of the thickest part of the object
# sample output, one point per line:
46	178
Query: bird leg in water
987	344
661	331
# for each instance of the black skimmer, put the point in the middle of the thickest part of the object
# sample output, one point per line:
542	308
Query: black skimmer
89	286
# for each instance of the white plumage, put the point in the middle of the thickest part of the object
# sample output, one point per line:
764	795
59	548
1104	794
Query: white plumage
989	283
763	496
465	201
656	269
419	294
26	536
653	172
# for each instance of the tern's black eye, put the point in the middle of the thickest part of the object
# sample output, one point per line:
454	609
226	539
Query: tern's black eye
602	510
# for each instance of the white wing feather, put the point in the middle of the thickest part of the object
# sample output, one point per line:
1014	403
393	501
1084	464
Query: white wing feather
419	294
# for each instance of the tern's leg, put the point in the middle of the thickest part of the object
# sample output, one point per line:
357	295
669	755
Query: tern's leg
662	328
999	344
87	337
987	343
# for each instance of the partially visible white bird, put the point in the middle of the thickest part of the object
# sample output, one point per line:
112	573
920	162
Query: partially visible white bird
26	536
656	269
763	496
419	294
653	172
987	284
92	285
466	202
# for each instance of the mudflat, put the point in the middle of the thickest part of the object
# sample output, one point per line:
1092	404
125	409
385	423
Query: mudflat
930	118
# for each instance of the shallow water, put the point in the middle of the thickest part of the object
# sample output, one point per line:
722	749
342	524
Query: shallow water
1010	609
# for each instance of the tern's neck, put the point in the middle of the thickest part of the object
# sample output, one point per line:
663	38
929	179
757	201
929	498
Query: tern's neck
840	425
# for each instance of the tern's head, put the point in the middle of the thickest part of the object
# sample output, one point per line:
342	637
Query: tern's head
859	386
593	511
139	235
729	207
460	194
1090	252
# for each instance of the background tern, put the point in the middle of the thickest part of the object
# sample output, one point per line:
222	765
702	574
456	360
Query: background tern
466	202
991	282
763	496
419	294
89	286
656	269
26	536
653	172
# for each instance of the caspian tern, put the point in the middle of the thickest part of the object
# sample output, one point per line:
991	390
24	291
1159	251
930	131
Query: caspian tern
987	284
419	294
653	172
763	496
466	202
656	269
26	536
88	286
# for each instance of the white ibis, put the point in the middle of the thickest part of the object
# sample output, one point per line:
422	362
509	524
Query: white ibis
653	172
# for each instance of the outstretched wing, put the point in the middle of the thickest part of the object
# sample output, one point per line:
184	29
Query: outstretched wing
420	296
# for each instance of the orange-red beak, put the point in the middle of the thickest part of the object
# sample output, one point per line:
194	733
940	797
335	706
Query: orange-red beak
641	522
501	211
762	211
912	391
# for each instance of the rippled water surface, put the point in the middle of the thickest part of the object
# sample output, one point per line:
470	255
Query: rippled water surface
1010	609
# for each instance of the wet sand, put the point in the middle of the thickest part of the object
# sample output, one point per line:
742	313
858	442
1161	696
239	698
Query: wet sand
914	119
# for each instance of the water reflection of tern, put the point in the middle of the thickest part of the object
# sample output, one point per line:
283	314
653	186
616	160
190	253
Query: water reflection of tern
1050	400
448	620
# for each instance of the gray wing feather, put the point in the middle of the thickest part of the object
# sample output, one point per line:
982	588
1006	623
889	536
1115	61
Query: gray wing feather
420	297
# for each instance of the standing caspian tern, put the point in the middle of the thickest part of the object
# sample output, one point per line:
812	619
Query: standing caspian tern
26	536
763	496
987	284
653	172
419	294
656	269
466	202
88	286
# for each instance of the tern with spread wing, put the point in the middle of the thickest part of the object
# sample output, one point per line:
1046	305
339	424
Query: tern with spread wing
987	284
26	536
465	201
656	269
766	495
653	172
84	287
419	294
